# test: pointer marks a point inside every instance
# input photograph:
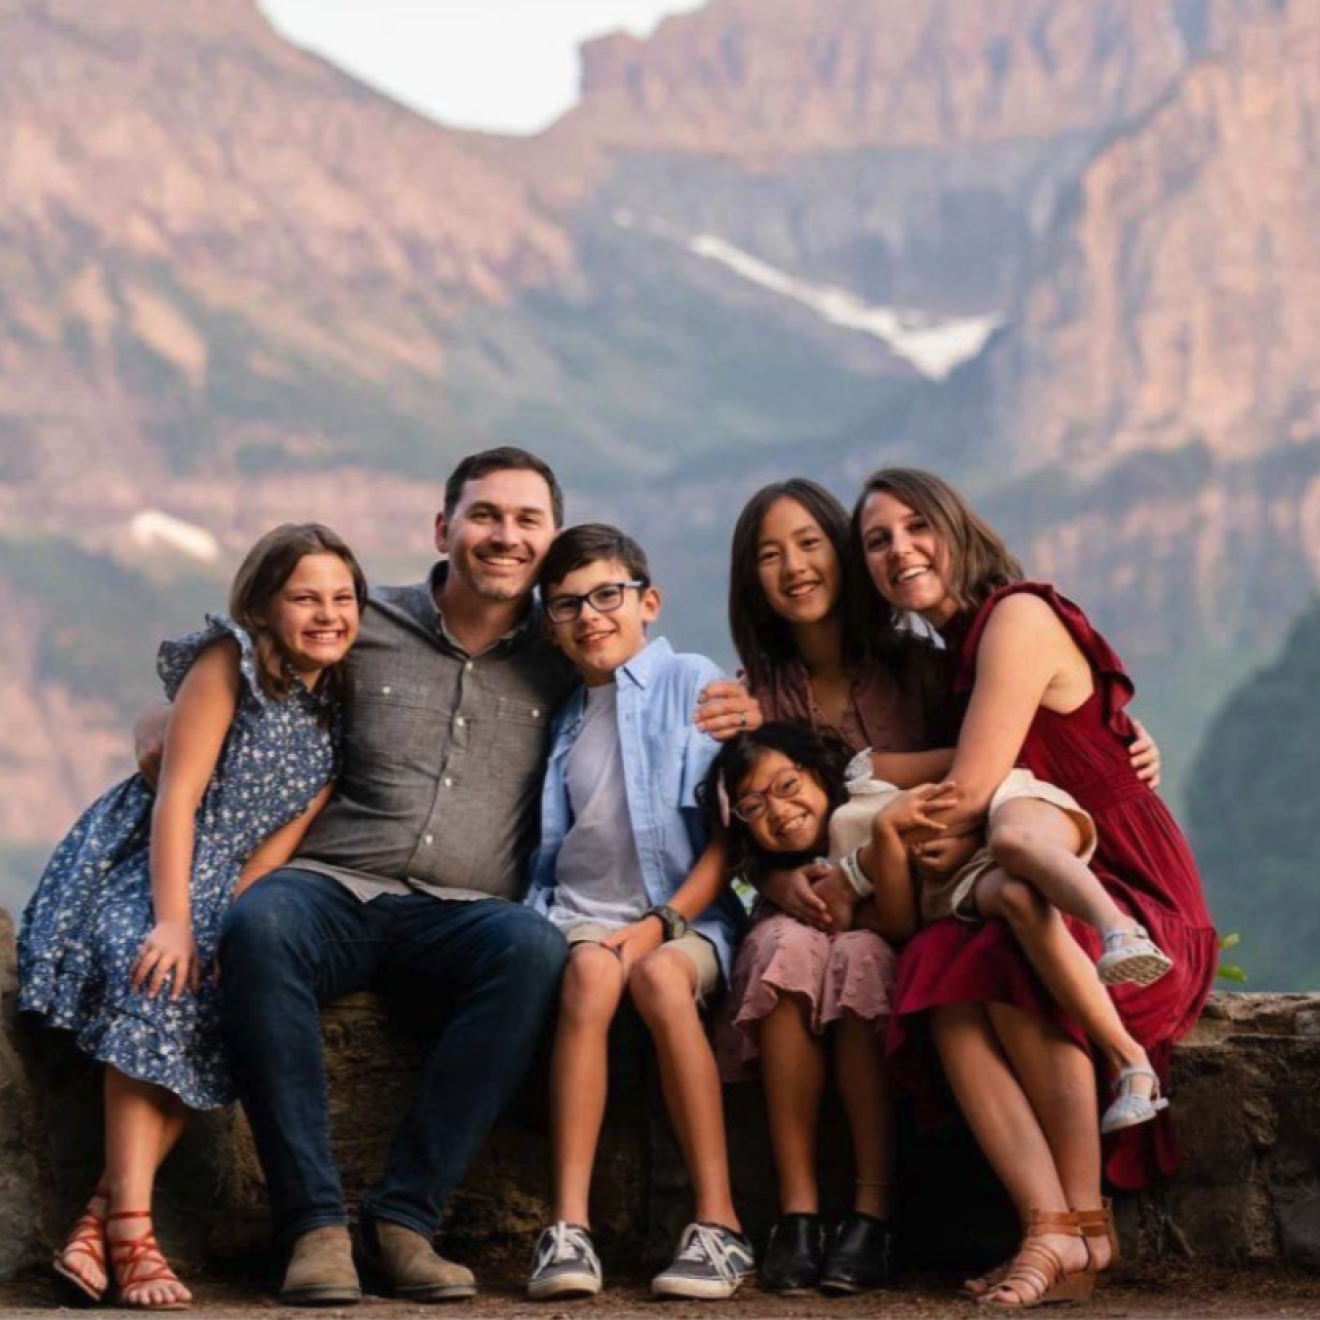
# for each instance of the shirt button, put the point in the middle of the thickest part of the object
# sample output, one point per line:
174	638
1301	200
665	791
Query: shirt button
460	721
385	691
536	714
469	667
448	782
428	839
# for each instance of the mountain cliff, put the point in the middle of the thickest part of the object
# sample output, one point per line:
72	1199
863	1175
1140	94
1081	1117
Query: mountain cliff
1064	251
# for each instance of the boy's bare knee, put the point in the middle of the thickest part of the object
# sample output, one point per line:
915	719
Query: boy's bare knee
660	984
592	980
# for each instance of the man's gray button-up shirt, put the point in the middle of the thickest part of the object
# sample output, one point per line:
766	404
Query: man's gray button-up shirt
443	755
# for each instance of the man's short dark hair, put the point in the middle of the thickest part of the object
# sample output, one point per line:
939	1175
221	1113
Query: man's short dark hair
506	458
589	543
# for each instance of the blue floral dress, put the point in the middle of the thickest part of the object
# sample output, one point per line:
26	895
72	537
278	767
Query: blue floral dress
86	922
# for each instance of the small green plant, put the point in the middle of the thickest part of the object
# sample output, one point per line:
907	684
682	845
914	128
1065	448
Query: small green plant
1230	971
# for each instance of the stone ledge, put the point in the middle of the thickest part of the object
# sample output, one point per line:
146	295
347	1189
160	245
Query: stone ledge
1247	1087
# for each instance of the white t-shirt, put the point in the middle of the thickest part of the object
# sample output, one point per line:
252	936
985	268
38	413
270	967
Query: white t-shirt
598	876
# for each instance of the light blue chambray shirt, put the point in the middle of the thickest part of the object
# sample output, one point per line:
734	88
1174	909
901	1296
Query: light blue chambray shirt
664	759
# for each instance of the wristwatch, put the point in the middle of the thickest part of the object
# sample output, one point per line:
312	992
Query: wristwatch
674	923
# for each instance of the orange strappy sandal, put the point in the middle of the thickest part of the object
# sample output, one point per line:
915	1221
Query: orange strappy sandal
138	1261
1100	1223
1037	1273
86	1238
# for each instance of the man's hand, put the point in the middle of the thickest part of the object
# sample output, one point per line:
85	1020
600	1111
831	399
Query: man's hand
724	708
632	943
168	951
839	897
149	741
792	893
1144	753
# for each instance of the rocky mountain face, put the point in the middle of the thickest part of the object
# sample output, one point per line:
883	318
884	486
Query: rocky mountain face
1064	251
1251	825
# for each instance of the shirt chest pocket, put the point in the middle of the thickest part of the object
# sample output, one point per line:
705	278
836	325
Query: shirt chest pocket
399	723
519	740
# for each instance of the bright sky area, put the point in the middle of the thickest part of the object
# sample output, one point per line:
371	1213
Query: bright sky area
505	65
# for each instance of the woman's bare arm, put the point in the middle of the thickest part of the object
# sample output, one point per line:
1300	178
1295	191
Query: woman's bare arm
1026	659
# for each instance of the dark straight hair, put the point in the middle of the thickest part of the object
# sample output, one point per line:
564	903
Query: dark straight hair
506	458
764	641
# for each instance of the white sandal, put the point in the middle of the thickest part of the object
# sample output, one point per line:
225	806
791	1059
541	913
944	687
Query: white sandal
1129	1109
1131	955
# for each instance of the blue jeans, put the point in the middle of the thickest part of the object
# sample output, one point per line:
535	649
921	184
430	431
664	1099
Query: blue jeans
298	939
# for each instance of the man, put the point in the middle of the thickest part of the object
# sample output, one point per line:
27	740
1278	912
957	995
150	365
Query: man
406	881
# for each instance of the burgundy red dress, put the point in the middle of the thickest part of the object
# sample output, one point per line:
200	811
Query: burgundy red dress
1142	860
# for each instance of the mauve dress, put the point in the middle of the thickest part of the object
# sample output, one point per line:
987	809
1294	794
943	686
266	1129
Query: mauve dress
851	972
1142	860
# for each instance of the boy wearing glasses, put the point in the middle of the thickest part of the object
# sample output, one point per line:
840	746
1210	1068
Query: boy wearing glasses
626	872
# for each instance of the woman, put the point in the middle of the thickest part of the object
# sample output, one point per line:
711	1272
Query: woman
1044	691
812	639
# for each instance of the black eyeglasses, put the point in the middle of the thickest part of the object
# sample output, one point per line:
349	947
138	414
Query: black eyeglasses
752	806
604	599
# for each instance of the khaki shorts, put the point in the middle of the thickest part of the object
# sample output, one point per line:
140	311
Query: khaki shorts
699	951
955	895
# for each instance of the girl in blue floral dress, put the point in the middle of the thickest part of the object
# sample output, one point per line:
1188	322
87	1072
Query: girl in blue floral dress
118	943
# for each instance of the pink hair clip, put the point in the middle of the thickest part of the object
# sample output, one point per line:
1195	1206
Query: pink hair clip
722	798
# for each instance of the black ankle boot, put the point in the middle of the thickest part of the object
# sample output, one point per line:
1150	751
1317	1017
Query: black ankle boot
860	1254
793	1254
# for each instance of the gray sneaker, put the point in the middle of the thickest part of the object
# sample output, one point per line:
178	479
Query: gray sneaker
711	1263
564	1264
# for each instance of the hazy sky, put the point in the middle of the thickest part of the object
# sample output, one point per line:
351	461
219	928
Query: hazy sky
509	65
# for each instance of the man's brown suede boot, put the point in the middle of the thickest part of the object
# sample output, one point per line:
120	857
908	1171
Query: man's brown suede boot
321	1271
412	1267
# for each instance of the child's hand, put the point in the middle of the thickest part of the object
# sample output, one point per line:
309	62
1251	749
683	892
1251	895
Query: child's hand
792	893
168	951
937	858
912	810
632	943
839	897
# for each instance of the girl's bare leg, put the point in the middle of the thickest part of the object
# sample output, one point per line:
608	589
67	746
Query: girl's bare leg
142	1122
663	987
1061	963
868	1101
79	1261
579	1075
1035	841
793	1076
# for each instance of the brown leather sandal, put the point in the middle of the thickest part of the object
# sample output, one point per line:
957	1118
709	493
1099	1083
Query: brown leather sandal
1100	1223
138	1261
1037	1274
86	1238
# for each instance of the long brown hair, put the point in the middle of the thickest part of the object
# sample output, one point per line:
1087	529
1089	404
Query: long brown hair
978	560
764	641
260	578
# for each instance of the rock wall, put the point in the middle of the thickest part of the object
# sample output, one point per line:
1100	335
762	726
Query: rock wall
1246	1087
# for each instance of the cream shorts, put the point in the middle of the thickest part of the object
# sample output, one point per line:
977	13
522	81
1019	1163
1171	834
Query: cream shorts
956	895
696	948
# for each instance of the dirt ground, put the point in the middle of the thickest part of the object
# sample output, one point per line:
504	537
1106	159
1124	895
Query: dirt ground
1190	1289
